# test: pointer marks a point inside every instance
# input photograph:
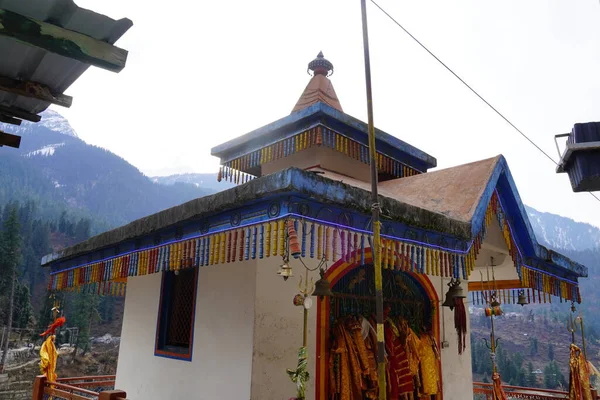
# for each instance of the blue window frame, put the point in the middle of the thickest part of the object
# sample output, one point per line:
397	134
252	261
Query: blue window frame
175	325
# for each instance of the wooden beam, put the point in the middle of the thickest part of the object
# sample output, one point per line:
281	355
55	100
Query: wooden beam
6	139
476	286
61	41
18	113
9	120
34	90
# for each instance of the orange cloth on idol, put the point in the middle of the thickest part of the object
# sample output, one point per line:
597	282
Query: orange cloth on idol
398	368
412	347
48	357
430	367
349	362
579	378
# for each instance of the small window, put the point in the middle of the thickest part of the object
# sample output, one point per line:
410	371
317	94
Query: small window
175	330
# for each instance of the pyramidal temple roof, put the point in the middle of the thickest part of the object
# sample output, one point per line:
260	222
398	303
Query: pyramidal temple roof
320	87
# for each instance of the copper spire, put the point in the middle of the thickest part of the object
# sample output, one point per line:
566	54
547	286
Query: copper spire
320	66
319	89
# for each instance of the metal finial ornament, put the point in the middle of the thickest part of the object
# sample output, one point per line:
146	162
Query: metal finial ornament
320	66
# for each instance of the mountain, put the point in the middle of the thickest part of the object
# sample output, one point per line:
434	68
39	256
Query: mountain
58	170
205	181
61	173
561	233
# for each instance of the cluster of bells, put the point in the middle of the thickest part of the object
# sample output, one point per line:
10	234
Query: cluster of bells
455	291
322	286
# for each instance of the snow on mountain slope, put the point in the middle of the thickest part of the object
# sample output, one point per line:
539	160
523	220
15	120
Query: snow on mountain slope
562	233
206	181
45	151
50	120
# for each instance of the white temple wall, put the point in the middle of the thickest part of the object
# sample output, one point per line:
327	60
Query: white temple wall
278	331
457	376
222	349
326	158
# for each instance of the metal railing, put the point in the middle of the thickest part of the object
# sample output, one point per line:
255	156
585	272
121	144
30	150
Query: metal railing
485	391
80	388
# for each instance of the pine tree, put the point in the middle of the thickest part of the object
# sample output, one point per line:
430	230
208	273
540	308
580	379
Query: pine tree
551	352
11	243
533	346
530	377
84	312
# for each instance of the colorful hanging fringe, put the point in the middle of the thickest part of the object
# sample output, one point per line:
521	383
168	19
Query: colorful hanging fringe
539	282
237	170
332	243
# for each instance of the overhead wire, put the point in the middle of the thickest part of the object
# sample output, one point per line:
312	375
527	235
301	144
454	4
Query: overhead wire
469	87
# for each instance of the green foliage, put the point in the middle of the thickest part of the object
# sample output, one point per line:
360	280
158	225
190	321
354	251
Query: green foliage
550	352
83	312
10	246
553	377
87	181
530	379
533	346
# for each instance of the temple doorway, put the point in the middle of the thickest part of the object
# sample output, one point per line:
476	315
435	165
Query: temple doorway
346	336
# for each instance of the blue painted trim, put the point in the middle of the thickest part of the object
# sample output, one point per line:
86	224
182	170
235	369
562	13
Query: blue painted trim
296	122
501	180
291	186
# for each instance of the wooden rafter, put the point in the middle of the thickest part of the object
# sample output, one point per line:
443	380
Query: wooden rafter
9	120
64	42
476	286
18	113
6	139
34	90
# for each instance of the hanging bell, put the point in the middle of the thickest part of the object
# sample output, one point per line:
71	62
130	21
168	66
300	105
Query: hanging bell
285	271
449	302
522	299
322	286
494	302
455	292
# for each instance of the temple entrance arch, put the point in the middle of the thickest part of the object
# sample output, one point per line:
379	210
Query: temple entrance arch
410	296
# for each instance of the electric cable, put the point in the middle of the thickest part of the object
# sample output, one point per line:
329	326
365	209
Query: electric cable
470	88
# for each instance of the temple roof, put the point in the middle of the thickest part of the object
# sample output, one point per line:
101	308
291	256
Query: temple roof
451	201
454	192
322	113
320	88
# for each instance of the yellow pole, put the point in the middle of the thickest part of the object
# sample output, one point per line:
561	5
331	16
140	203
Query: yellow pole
375	209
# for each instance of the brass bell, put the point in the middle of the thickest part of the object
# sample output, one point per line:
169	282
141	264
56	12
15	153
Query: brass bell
494	302
285	271
455	292
522	299
322	286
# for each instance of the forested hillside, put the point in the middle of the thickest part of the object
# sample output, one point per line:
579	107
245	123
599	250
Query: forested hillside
60	171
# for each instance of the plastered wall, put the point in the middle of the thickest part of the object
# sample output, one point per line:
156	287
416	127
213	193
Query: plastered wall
222	354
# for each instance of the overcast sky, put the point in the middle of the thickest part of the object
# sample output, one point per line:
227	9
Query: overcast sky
203	72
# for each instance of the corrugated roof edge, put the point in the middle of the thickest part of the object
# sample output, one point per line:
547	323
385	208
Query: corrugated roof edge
61	13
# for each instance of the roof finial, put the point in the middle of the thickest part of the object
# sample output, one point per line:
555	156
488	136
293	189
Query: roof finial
320	66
